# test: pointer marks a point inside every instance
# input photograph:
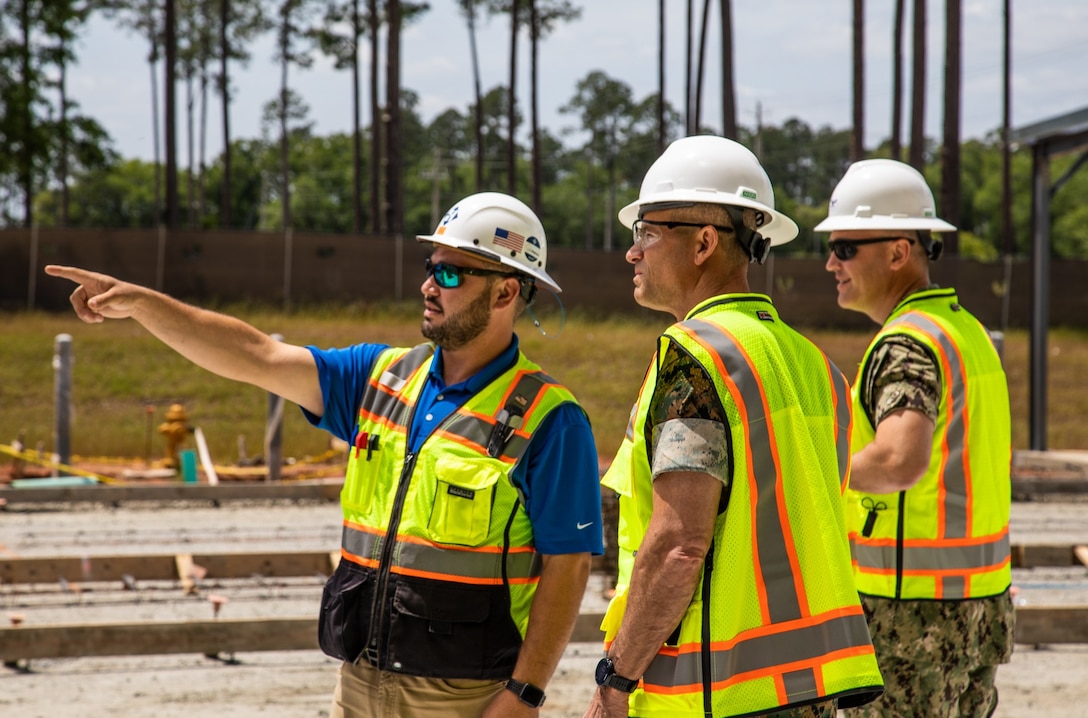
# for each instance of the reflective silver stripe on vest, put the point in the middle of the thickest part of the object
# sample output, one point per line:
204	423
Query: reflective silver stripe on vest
933	559
954	472
773	557
388	405
842	419
466	565
477	430
765	652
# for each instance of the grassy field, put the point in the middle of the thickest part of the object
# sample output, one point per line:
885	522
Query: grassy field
120	370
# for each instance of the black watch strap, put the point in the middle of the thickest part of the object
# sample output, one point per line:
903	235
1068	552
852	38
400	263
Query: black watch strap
527	693
606	676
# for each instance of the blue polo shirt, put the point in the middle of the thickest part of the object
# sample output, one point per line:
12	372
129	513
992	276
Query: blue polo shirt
558	475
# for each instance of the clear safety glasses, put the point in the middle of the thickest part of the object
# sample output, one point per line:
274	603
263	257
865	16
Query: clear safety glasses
645	232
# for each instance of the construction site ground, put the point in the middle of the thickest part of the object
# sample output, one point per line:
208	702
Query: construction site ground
1041	680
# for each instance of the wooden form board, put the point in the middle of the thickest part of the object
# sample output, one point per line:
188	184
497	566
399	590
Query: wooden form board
164	567
170	567
1024	488
311	489
1035	625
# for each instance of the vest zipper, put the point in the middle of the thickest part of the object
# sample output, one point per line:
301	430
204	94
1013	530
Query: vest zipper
704	650
899	545
378	607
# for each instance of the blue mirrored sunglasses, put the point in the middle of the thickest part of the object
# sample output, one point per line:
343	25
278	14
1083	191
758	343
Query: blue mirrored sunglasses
449	276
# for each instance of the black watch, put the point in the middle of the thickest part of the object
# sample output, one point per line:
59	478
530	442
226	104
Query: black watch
606	676
527	693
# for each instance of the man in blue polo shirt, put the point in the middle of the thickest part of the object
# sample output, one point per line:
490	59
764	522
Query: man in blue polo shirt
471	504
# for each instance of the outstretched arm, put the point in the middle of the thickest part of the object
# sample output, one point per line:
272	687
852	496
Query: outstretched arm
219	343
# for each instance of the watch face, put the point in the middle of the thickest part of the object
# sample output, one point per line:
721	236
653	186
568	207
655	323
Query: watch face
532	695
604	670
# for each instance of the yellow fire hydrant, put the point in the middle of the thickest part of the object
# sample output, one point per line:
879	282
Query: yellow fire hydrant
174	429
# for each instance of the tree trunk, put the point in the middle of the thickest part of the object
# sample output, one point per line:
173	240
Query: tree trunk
64	134
1009	242
202	162
26	161
511	108
225	219
857	129
356	125
171	41
534	40
394	193
896	143
661	130
702	63
729	90
918	92
689	84
190	120
285	179
156	154
950	152
478	115
377	217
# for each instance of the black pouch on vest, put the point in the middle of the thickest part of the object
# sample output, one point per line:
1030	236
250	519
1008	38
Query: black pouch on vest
343	625
442	630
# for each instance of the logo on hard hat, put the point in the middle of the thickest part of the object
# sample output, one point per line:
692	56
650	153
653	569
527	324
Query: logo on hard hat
446	219
748	194
530	254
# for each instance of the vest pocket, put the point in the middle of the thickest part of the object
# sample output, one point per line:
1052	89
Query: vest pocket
464	491
343	624
444	630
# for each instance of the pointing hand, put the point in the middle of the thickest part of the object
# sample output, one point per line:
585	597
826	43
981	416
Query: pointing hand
98	296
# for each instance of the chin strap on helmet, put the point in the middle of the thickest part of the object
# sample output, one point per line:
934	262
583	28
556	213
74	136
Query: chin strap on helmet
755	244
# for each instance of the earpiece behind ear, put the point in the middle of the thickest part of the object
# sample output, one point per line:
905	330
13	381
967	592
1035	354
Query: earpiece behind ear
935	250
527	291
759	248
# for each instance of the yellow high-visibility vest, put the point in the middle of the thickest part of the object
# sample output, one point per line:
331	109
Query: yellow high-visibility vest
776	620
441	539
947	537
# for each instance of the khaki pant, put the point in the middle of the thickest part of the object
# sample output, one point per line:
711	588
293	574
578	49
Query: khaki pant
363	691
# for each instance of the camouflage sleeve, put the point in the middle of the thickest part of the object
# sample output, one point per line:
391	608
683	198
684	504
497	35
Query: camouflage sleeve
686	426
901	374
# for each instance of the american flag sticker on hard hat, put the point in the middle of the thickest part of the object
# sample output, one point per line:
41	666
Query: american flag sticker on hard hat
510	240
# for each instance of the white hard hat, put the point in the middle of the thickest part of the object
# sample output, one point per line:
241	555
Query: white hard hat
714	170
882	194
499	228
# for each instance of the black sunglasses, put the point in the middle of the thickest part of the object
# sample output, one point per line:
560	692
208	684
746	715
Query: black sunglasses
449	276
845	249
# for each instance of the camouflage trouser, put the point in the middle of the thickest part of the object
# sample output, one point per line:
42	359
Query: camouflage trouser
938	658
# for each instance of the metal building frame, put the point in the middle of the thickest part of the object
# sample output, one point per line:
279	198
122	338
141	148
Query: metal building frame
1048	139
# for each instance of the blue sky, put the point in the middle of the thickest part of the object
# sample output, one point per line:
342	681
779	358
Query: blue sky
792	59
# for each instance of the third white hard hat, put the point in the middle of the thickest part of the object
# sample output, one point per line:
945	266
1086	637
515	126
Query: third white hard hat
882	194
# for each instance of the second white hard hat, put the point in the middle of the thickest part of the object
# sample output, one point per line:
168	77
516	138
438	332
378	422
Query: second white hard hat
713	170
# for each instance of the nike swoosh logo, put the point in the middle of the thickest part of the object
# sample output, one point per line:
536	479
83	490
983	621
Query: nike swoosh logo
582	526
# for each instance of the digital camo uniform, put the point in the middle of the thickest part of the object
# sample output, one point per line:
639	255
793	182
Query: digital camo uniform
903	375
956	633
